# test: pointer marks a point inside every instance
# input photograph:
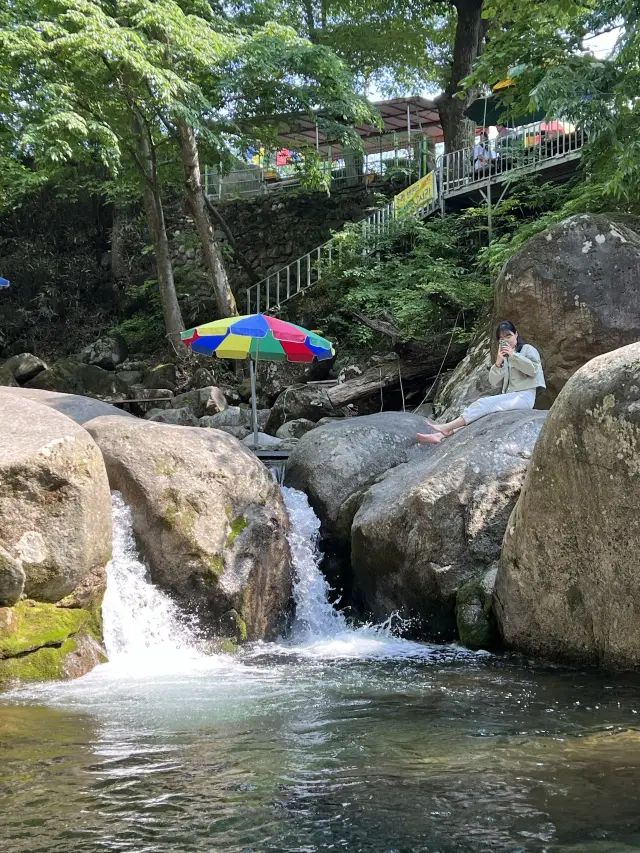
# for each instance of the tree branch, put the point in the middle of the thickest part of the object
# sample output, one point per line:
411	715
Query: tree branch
385	327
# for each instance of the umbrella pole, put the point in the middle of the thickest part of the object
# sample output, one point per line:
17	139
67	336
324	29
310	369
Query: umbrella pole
254	403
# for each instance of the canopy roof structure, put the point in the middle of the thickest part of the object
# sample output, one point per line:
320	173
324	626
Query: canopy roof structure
406	116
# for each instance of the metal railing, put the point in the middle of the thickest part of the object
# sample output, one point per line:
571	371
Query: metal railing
527	148
237	184
307	270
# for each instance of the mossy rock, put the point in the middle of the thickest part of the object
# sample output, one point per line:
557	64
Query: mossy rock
31	625
237	526
42	642
76	656
475	619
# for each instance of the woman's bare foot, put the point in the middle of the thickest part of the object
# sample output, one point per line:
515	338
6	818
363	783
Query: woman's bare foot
441	429
430	437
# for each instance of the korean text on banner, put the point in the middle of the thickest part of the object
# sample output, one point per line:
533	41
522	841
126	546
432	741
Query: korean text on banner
416	196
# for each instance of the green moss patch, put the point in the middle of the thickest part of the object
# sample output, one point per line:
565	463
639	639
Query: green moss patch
237	526
214	570
46	664
179	515
34	625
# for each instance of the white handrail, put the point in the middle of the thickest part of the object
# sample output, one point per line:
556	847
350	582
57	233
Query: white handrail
525	148
305	271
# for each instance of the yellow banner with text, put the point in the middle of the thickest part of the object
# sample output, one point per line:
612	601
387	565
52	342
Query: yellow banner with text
416	196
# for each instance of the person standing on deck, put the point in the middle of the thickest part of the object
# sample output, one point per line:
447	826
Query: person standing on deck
482	153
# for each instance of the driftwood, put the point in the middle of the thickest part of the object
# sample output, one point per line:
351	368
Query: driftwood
383	324
386	374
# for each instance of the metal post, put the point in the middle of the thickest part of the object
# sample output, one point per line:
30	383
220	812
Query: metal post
254	402
489	211
409	141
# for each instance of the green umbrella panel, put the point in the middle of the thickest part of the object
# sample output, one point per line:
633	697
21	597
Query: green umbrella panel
491	111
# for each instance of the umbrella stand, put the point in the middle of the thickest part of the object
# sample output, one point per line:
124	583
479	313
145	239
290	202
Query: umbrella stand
254	399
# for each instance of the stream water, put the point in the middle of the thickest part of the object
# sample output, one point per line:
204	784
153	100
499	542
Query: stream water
335	739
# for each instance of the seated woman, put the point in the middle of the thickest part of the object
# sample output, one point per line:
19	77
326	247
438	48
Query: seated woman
517	368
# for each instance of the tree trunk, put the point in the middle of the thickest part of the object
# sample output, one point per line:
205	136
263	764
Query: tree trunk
152	202
173	321
470	32
223	294
311	21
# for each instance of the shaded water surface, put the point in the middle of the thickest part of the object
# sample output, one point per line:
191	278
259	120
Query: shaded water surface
337	739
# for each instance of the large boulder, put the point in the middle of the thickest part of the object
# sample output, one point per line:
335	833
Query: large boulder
107	352
569	580
71	377
12	578
7	379
572	291
295	429
161	376
208	517
335	462
300	401
234	417
429	526
79	409
274	377
24	366
475	618
177	417
55	503
147	399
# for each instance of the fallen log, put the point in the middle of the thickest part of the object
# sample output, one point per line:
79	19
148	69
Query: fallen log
387	372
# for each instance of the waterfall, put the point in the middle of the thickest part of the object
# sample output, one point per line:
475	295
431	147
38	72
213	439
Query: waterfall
146	633
316	618
140	621
319	630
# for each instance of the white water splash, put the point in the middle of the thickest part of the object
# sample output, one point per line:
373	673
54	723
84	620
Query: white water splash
316	618
319	629
141	623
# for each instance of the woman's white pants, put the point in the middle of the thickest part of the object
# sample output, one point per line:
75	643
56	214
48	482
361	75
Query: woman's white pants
499	403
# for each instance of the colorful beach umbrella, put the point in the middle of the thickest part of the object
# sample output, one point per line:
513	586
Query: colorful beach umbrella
257	337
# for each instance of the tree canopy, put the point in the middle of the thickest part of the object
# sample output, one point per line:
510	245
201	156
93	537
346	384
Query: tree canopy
546	50
134	88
